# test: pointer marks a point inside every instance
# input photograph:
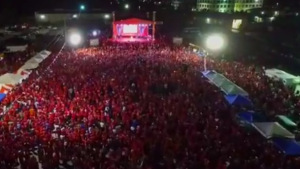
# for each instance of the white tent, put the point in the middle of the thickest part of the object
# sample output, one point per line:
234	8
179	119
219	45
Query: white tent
16	48
35	59
272	129
286	78
22	72
43	54
30	65
228	87
11	78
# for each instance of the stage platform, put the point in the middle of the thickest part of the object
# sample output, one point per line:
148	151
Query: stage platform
131	40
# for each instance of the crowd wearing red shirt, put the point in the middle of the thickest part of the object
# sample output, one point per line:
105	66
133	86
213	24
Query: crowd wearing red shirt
11	62
136	105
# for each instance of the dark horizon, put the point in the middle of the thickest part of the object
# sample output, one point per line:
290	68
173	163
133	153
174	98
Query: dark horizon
28	7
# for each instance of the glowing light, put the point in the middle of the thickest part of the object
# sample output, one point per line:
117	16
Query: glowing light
94	33
74	16
75	39
42	16
126	6
106	16
215	42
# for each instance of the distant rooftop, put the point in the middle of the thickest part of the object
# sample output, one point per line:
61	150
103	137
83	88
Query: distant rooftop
63	11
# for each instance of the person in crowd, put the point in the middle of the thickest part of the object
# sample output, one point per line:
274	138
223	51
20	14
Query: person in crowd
136	105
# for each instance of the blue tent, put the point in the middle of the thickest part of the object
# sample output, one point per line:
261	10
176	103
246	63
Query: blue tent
201	54
251	117
2	96
238	100
245	116
288	146
205	73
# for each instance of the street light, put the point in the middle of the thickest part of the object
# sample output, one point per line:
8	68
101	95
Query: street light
106	16
75	16
126	6
75	39
82	7
214	43
94	33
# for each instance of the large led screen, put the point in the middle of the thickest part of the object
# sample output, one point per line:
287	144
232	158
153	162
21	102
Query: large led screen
130	29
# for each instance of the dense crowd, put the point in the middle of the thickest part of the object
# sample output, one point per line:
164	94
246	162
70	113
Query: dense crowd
11	62
136	105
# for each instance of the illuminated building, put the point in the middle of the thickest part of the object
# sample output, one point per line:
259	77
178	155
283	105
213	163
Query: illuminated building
228	6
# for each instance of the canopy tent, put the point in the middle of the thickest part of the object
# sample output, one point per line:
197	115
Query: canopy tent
297	90
251	117
23	72
224	84
43	54
286	78
286	121
272	129
2	96
29	66
35	59
16	48
10	78
288	146
238	100
5	88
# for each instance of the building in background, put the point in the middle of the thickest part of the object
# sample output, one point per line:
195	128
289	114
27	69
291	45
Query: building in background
228	6
175	4
59	16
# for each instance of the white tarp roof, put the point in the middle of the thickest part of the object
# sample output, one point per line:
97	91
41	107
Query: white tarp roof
30	65
272	129
35	59
44	54
10	78
16	48
286	78
22	72
228	87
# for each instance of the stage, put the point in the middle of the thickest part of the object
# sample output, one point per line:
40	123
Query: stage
132	30
131	40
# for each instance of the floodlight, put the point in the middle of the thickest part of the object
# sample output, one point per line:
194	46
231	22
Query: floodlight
94	33
75	39
215	42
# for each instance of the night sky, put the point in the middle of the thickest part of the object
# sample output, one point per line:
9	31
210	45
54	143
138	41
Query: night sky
29	6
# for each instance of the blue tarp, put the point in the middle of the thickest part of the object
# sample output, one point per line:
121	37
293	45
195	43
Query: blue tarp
238	100
2	96
288	146
206	72
251	117
246	116
201	54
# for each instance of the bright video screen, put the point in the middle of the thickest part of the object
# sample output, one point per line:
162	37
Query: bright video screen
128	29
